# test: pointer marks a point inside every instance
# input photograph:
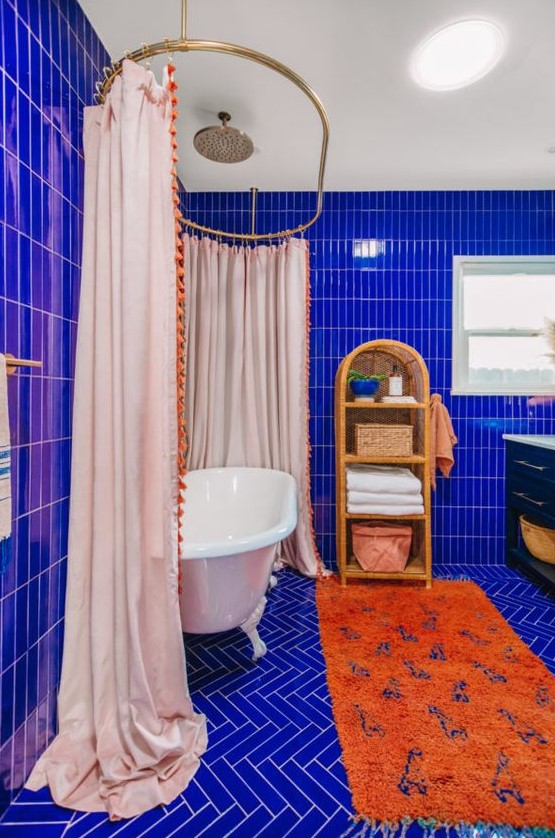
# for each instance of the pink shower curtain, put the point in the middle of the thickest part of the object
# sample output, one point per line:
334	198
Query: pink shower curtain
247	367
128	736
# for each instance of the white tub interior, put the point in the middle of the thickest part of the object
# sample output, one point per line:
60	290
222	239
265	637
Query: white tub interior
229	510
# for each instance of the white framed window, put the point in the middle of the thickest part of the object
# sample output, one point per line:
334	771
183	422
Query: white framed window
500	306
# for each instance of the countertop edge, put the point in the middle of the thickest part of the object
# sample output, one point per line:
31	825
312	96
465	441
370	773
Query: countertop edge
537	440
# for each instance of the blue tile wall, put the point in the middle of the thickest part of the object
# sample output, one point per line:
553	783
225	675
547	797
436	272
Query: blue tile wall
404	293
50	58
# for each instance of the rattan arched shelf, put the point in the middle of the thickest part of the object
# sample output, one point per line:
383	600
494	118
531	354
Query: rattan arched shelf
385	421
184	44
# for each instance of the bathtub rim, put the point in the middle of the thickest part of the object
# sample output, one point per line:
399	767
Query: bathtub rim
220	549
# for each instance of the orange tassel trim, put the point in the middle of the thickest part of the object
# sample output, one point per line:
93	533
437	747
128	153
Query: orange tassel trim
320	568
180	327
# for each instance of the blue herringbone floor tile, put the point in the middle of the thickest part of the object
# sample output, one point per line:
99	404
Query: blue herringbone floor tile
273	767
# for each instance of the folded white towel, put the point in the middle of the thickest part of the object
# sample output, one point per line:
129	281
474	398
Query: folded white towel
5	469
383	479
379	498
394	511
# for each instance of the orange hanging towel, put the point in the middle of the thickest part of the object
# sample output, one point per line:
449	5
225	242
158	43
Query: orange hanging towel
442	439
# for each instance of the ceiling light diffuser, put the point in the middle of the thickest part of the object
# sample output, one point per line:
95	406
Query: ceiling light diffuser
458	55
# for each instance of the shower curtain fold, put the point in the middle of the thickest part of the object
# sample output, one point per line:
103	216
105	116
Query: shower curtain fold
246	374
128	736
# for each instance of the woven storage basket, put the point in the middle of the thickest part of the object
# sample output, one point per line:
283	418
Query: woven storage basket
539	540
383	440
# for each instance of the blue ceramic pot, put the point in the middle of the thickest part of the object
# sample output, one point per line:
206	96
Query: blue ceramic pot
364	389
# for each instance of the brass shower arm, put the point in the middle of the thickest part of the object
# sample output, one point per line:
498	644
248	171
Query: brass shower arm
183	20
183	44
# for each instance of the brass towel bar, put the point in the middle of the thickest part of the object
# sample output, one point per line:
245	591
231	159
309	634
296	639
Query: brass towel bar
12	363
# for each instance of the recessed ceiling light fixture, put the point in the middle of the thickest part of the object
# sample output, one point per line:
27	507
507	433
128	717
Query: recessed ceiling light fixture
457	55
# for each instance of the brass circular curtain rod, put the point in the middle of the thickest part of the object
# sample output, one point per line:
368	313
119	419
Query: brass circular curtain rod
183	44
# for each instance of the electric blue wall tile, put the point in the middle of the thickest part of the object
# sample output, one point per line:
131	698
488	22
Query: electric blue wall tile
41	175
404	292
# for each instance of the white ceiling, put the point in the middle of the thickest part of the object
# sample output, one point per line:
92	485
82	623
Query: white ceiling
386	133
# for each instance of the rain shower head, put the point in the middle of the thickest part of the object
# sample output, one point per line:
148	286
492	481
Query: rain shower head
223	144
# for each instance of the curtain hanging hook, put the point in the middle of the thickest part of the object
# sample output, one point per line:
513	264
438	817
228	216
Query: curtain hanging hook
149	57
170	54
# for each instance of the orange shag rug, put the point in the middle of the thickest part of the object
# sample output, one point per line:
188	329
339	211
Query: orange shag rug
444	715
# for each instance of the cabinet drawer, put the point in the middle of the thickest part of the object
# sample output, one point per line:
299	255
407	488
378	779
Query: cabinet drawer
531	497
528	461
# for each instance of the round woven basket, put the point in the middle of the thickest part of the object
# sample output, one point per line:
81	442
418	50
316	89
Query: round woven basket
540	541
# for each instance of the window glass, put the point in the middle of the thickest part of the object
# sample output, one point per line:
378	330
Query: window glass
501	309
514	301
514	360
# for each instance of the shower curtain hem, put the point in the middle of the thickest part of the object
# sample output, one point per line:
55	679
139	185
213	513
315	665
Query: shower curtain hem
160	790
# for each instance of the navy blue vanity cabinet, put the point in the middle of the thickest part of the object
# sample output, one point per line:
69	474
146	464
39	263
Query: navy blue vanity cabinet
530	491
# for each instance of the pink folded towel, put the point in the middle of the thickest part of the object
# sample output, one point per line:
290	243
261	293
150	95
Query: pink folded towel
442	439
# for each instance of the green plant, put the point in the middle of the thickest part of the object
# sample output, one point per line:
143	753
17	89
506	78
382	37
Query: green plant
354	375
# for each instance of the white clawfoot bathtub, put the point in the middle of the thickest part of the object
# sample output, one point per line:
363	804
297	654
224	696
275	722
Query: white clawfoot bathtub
234	519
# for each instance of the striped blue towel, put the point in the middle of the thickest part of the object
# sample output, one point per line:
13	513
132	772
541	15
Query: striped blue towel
5	471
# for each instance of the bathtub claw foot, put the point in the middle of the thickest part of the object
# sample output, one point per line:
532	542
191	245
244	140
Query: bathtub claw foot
272	583
250	627
258	646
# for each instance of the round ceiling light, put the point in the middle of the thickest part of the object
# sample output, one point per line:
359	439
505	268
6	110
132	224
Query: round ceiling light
457	55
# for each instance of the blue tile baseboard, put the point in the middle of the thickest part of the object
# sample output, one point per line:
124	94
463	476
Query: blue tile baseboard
273	766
